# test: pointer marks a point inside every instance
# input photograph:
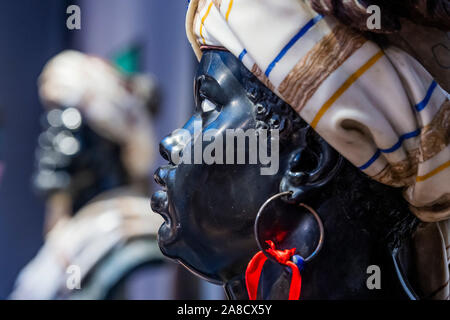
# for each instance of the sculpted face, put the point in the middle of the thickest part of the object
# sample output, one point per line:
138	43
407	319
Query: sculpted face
210	209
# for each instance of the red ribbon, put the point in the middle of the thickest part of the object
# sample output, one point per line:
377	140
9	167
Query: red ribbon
255	266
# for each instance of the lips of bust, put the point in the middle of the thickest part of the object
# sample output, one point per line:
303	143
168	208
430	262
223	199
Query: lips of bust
160	204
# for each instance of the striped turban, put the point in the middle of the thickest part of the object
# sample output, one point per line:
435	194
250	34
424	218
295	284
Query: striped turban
378	107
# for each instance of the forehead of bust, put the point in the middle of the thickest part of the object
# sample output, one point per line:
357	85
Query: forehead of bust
218	63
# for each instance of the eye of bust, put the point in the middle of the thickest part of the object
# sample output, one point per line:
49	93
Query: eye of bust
208	106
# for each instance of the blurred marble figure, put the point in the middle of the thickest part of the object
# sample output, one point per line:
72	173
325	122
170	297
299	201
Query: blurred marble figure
2	164
92	163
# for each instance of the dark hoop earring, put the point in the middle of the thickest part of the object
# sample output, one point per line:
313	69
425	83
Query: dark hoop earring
312	211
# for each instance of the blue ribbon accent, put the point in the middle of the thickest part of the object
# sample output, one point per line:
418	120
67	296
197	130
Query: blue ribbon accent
299	262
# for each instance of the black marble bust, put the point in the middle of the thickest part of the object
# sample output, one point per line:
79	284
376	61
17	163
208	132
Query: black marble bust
210	209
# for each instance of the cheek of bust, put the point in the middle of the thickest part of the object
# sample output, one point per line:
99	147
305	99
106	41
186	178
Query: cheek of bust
217	201
222	205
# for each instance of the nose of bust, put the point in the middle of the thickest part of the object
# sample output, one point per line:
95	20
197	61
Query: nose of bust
171	147
165	147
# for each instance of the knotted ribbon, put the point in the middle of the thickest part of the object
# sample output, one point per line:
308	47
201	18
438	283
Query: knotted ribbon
255	266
